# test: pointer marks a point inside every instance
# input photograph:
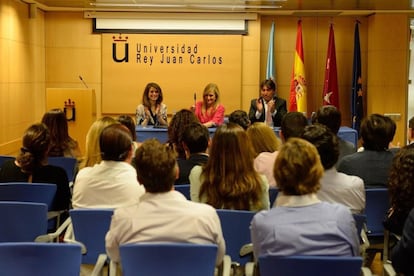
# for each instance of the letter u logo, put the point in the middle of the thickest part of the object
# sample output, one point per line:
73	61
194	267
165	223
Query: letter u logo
114	53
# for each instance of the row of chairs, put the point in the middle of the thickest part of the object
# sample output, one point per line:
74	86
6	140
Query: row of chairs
69	164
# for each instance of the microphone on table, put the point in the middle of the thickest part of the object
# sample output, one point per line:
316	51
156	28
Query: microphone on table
84	83
195	99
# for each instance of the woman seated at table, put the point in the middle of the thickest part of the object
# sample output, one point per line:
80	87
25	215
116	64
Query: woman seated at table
209	111
152	111
301	224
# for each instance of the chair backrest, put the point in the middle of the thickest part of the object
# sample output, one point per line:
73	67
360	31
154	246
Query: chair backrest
27	258
67	163
28	192
4	158
309	265
272	195
184	189
90	227
235	225
173	259
22	221
377	204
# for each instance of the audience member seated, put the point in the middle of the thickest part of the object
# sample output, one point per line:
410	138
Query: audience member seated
268	108
373	163
113	182
92	150
162	215
401	189
301	224
31	166
331	117
209	111
336	187
130	124
402	255
293	124
152	111
178	123
196	140
241	118
266	145
229	180
61	144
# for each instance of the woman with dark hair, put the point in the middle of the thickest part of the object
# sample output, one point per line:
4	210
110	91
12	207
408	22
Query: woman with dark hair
229	180
61	144
176	128
152	111
401	189
31	166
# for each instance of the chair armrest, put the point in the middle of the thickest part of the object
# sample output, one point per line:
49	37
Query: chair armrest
113	267
224	269
249	268
365	271
100	262
246	249
83	247
52	236
388	270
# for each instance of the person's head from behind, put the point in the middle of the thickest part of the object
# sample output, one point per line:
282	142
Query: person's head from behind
55	120
35	146
293	124
263	138
377	131
329	116
267	89
127	121
298	168
400	180
325	141
241	118
93	150
152	93
176	128
116	143
211	94
156	166
196	138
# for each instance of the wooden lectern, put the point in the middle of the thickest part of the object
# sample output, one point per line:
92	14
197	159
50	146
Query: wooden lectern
79	106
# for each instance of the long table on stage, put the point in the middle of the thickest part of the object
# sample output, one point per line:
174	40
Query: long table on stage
144	133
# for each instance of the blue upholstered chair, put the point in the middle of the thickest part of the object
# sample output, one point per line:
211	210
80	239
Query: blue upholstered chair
311	266
29	258
184	189
90	227
22	221
173	259
67	163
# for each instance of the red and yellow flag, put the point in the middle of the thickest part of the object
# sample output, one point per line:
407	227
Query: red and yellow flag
298	90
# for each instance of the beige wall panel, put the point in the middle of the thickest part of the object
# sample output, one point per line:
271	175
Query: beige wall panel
70	29
5	60
21	62
66	64
388	64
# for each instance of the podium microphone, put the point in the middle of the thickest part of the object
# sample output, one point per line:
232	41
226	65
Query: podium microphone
84	83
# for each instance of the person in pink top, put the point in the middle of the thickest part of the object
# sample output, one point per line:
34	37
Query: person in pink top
209	111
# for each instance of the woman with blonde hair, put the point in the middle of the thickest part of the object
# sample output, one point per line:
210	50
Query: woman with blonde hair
92	149
229	180
209	111
266	146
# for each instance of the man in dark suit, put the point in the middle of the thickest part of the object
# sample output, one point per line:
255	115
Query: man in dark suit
268	108
196	140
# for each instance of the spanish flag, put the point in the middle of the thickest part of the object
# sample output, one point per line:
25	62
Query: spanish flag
297	99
